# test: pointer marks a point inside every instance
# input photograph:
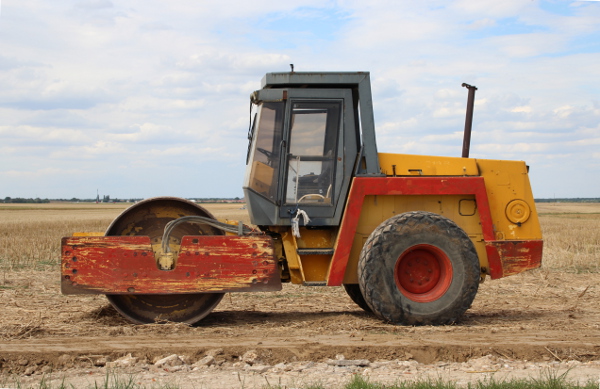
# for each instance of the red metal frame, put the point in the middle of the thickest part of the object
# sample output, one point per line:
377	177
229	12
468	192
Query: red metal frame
523	253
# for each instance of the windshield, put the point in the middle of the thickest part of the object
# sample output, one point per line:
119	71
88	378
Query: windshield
264	158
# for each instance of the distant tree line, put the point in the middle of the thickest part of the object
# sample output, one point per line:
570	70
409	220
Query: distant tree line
217	200
568	200
19	200
107	199
104	199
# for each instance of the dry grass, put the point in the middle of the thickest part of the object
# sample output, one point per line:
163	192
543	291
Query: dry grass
571	236
567	208
571	242
30	234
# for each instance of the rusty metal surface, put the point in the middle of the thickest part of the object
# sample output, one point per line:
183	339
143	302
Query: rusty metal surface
515	256
205	264
468	120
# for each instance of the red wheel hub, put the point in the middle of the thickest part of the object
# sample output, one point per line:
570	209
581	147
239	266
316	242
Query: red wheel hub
423	273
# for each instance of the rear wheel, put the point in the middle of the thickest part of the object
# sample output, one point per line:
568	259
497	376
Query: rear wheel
355	294
149	218
419	268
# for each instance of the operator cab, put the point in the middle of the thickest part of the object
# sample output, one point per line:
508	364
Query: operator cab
303	147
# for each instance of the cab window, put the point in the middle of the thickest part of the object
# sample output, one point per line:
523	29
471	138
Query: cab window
266	150
312	152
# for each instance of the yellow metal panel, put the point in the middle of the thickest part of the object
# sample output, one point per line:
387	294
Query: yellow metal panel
293	260
88	234
316	238
506	182
351	275
423	165
315	267
307	268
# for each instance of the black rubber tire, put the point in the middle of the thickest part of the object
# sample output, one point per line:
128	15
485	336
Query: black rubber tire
353	290
381	274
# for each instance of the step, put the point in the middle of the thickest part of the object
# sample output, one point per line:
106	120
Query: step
315	251
314	283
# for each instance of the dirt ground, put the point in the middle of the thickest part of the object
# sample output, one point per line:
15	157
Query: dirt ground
529	325
537	317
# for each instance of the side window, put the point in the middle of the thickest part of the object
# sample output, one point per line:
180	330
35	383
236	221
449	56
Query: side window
311	155
265	158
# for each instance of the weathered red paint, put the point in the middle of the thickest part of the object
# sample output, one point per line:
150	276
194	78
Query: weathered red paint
374	186
206	263
515	256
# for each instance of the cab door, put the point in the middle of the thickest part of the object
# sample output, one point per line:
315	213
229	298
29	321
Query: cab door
315	169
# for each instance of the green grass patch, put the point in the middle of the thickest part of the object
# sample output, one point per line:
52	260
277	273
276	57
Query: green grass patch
548	380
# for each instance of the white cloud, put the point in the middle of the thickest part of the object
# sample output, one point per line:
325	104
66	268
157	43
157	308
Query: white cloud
482	23
137	88
529	45
214	59
523	109
493	9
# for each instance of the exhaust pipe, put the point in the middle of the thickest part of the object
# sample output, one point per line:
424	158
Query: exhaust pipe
468	120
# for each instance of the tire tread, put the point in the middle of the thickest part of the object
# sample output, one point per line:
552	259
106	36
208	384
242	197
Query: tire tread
371	259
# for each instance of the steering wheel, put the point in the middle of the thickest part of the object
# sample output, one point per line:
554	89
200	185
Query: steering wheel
312	195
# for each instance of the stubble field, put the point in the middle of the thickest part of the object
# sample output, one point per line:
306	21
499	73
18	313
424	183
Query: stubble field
547	316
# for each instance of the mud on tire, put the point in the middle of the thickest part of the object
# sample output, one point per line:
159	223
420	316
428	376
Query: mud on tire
419	268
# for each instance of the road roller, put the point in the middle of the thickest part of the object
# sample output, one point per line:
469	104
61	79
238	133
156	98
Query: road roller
408	237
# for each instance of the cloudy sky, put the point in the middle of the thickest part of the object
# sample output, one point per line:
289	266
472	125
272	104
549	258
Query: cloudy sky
139	98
